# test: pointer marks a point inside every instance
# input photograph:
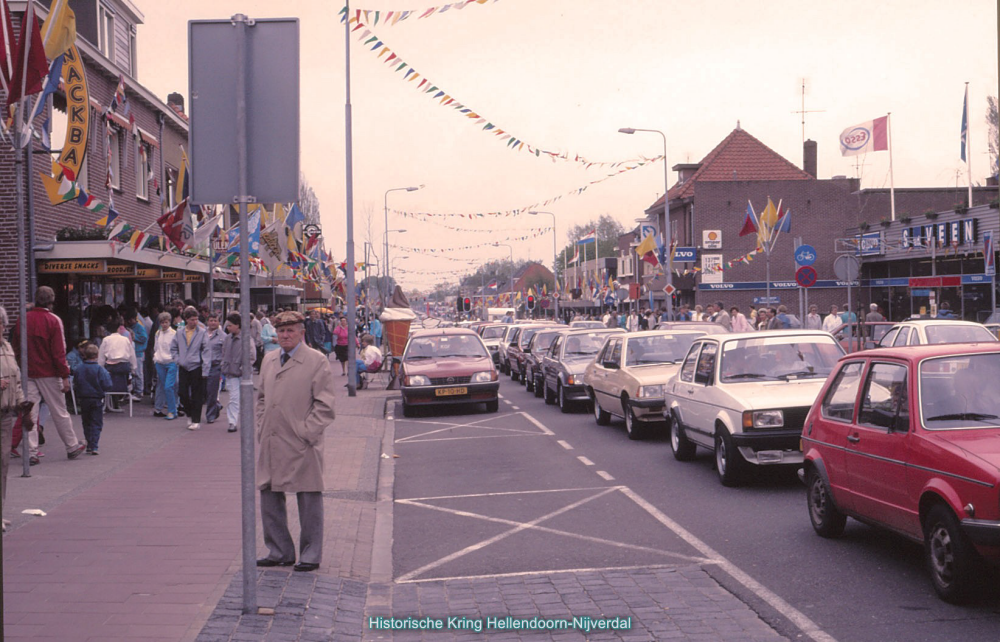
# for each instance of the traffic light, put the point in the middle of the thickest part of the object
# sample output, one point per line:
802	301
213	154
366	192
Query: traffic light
466	304
460	305
531	302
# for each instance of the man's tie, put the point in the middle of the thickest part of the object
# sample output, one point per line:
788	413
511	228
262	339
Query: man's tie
284	358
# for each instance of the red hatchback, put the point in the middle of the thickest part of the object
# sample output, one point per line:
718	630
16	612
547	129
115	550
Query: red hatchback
448	366
909	439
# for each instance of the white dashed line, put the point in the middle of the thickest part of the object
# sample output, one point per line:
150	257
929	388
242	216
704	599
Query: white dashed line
605	476
514	408
564	444
585	461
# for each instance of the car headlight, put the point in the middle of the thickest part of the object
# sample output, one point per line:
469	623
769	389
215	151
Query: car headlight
417	380
651	391
763	419
485	376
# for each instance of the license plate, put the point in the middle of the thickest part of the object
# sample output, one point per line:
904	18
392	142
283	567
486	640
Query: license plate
447	392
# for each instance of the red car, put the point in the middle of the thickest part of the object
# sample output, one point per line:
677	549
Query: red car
909	439
447	366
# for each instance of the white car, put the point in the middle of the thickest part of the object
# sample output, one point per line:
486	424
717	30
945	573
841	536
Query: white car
746	396
627	378
931	331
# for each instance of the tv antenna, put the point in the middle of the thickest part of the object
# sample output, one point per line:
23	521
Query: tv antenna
805	111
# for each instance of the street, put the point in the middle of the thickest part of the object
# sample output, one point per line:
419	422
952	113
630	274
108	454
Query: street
530	492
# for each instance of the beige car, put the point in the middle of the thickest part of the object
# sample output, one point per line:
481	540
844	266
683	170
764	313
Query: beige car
629	374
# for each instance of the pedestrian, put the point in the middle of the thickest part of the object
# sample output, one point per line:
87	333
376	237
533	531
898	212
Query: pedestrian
773	322
215	336
847	316
813	320
256	327
340	346
644	320
11	405
753	315
370	359
739	320
606	318
685	313
140	339
190	350
316	332
722	317
117	356
231	367
268	335
832	320
632	325
92	382
376	331
74	358
165	397
48	372
873	316
294	407
699	314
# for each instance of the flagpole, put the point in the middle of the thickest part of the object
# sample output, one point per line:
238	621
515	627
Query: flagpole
892	181
352	368
968	143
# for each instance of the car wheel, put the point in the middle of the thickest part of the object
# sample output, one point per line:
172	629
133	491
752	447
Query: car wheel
729	463
682	448
600	416
539	387
826	520
951	557
514	373
564	405
529	383
408	410
550	395
633	428
493	406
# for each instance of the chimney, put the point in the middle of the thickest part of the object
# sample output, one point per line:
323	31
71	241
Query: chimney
809	157
176	101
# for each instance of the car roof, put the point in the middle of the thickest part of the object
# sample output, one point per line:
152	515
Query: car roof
767	333
937	320
669	333
436	332
594	330
923	351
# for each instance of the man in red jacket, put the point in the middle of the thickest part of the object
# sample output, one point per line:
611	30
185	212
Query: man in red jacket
48	373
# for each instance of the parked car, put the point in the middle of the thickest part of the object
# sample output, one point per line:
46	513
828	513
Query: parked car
994	328
539	344
576	325
564	363
906	439
504	345
515	347
871	332
934	331
708	327
745	396
492	336
627	377
447	366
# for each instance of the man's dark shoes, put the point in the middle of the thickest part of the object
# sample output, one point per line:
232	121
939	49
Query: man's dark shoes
268	562
305	567
76	452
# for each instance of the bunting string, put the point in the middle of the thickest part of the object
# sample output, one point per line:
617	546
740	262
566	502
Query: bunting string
392	18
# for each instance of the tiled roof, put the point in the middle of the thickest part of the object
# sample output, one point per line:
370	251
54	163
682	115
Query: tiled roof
742	157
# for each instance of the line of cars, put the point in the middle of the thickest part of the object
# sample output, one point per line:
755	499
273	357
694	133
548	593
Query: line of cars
904	437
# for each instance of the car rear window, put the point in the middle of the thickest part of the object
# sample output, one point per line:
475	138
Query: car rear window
953	333
661	348
960	392
494	332
444	346
583	345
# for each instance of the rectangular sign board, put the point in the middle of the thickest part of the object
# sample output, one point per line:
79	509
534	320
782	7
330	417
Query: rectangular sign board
685	254
272	110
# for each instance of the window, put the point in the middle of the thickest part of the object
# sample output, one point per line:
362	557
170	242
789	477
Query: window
616	352
889	337
687	370
114	140
106	32
839	401
885	403
902	337
142	173
705	371
171	186
915	338
554	350
134	57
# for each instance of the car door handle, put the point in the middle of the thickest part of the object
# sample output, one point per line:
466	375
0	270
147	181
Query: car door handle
690	391
853	439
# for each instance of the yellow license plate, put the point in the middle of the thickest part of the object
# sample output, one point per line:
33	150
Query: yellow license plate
447	392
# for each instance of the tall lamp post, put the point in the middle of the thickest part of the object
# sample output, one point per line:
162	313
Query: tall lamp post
388	267
555	262
667	236
511	274
385	256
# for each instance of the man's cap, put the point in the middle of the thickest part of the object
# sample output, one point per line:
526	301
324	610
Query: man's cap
290	317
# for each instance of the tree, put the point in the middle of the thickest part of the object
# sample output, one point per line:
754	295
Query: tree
993	129
608	231
308	201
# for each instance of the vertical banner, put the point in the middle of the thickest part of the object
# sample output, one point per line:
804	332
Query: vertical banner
990	252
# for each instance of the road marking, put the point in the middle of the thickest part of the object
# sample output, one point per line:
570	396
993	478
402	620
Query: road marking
585	461
477	424
519	528
514	408
539	424
604	475
500	494
564	444
509	403
799	619
527	573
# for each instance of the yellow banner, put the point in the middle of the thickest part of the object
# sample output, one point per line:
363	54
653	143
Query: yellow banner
82	266
77	110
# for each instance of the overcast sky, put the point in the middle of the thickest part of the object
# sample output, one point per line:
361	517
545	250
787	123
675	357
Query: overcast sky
564	75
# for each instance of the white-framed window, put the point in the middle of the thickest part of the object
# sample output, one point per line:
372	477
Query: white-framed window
625	265
142	172
106	32
170	187
114	140
133	55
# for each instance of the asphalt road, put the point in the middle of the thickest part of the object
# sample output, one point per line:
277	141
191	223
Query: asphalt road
629	503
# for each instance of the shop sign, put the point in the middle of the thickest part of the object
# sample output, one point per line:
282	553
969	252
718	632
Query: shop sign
79	266
775	285
989	252
125	269
935	281
955	233
148	273
711	239
171	275
870	244
192	278
710	272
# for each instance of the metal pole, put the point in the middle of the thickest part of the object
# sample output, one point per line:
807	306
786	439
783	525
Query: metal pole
22	265
352	366
247	430
385	243
666	223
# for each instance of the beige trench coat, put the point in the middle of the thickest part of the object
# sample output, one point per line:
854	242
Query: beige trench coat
294	406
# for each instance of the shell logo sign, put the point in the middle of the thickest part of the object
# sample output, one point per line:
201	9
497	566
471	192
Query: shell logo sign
711	239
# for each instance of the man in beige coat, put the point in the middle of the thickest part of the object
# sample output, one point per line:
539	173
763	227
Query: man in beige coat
294	406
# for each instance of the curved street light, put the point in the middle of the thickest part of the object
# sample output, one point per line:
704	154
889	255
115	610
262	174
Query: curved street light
386	235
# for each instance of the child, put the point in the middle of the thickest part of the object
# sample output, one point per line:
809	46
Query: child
92	382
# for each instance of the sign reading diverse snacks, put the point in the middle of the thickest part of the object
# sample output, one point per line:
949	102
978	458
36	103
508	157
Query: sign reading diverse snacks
78	266
954	233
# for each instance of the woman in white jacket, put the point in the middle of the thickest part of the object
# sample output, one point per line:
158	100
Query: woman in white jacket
165	401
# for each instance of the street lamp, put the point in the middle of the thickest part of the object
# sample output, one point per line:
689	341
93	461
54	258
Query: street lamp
385	297
666	211
388	266
555	264
511	272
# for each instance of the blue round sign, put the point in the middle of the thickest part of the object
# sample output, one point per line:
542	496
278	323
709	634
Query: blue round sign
609	300
805	255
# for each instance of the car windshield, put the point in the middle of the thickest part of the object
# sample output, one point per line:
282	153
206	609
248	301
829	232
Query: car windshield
542	341
954	333
494	332
658	348
578	346
779	358
526	335
453	345
960	392
586	324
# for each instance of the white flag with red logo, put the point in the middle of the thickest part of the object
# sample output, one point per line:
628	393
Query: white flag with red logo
872	136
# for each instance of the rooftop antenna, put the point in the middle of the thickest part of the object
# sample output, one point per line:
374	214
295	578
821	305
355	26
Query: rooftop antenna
805	111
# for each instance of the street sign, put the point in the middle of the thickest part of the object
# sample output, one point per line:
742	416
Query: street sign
711	239
846	267
272	110
805	255
764	300
806	276
990	251
685	254
609	300
669	289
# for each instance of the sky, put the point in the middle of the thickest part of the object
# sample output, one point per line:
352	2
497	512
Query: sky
565	75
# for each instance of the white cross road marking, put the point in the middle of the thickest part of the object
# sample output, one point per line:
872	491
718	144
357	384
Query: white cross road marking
606	476
527	573
585	461
514	408
471	424
564	444
501	494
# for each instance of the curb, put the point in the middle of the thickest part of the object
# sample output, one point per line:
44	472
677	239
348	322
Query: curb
381	565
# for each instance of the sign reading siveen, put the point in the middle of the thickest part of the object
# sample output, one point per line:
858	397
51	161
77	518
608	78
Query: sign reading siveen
950	233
